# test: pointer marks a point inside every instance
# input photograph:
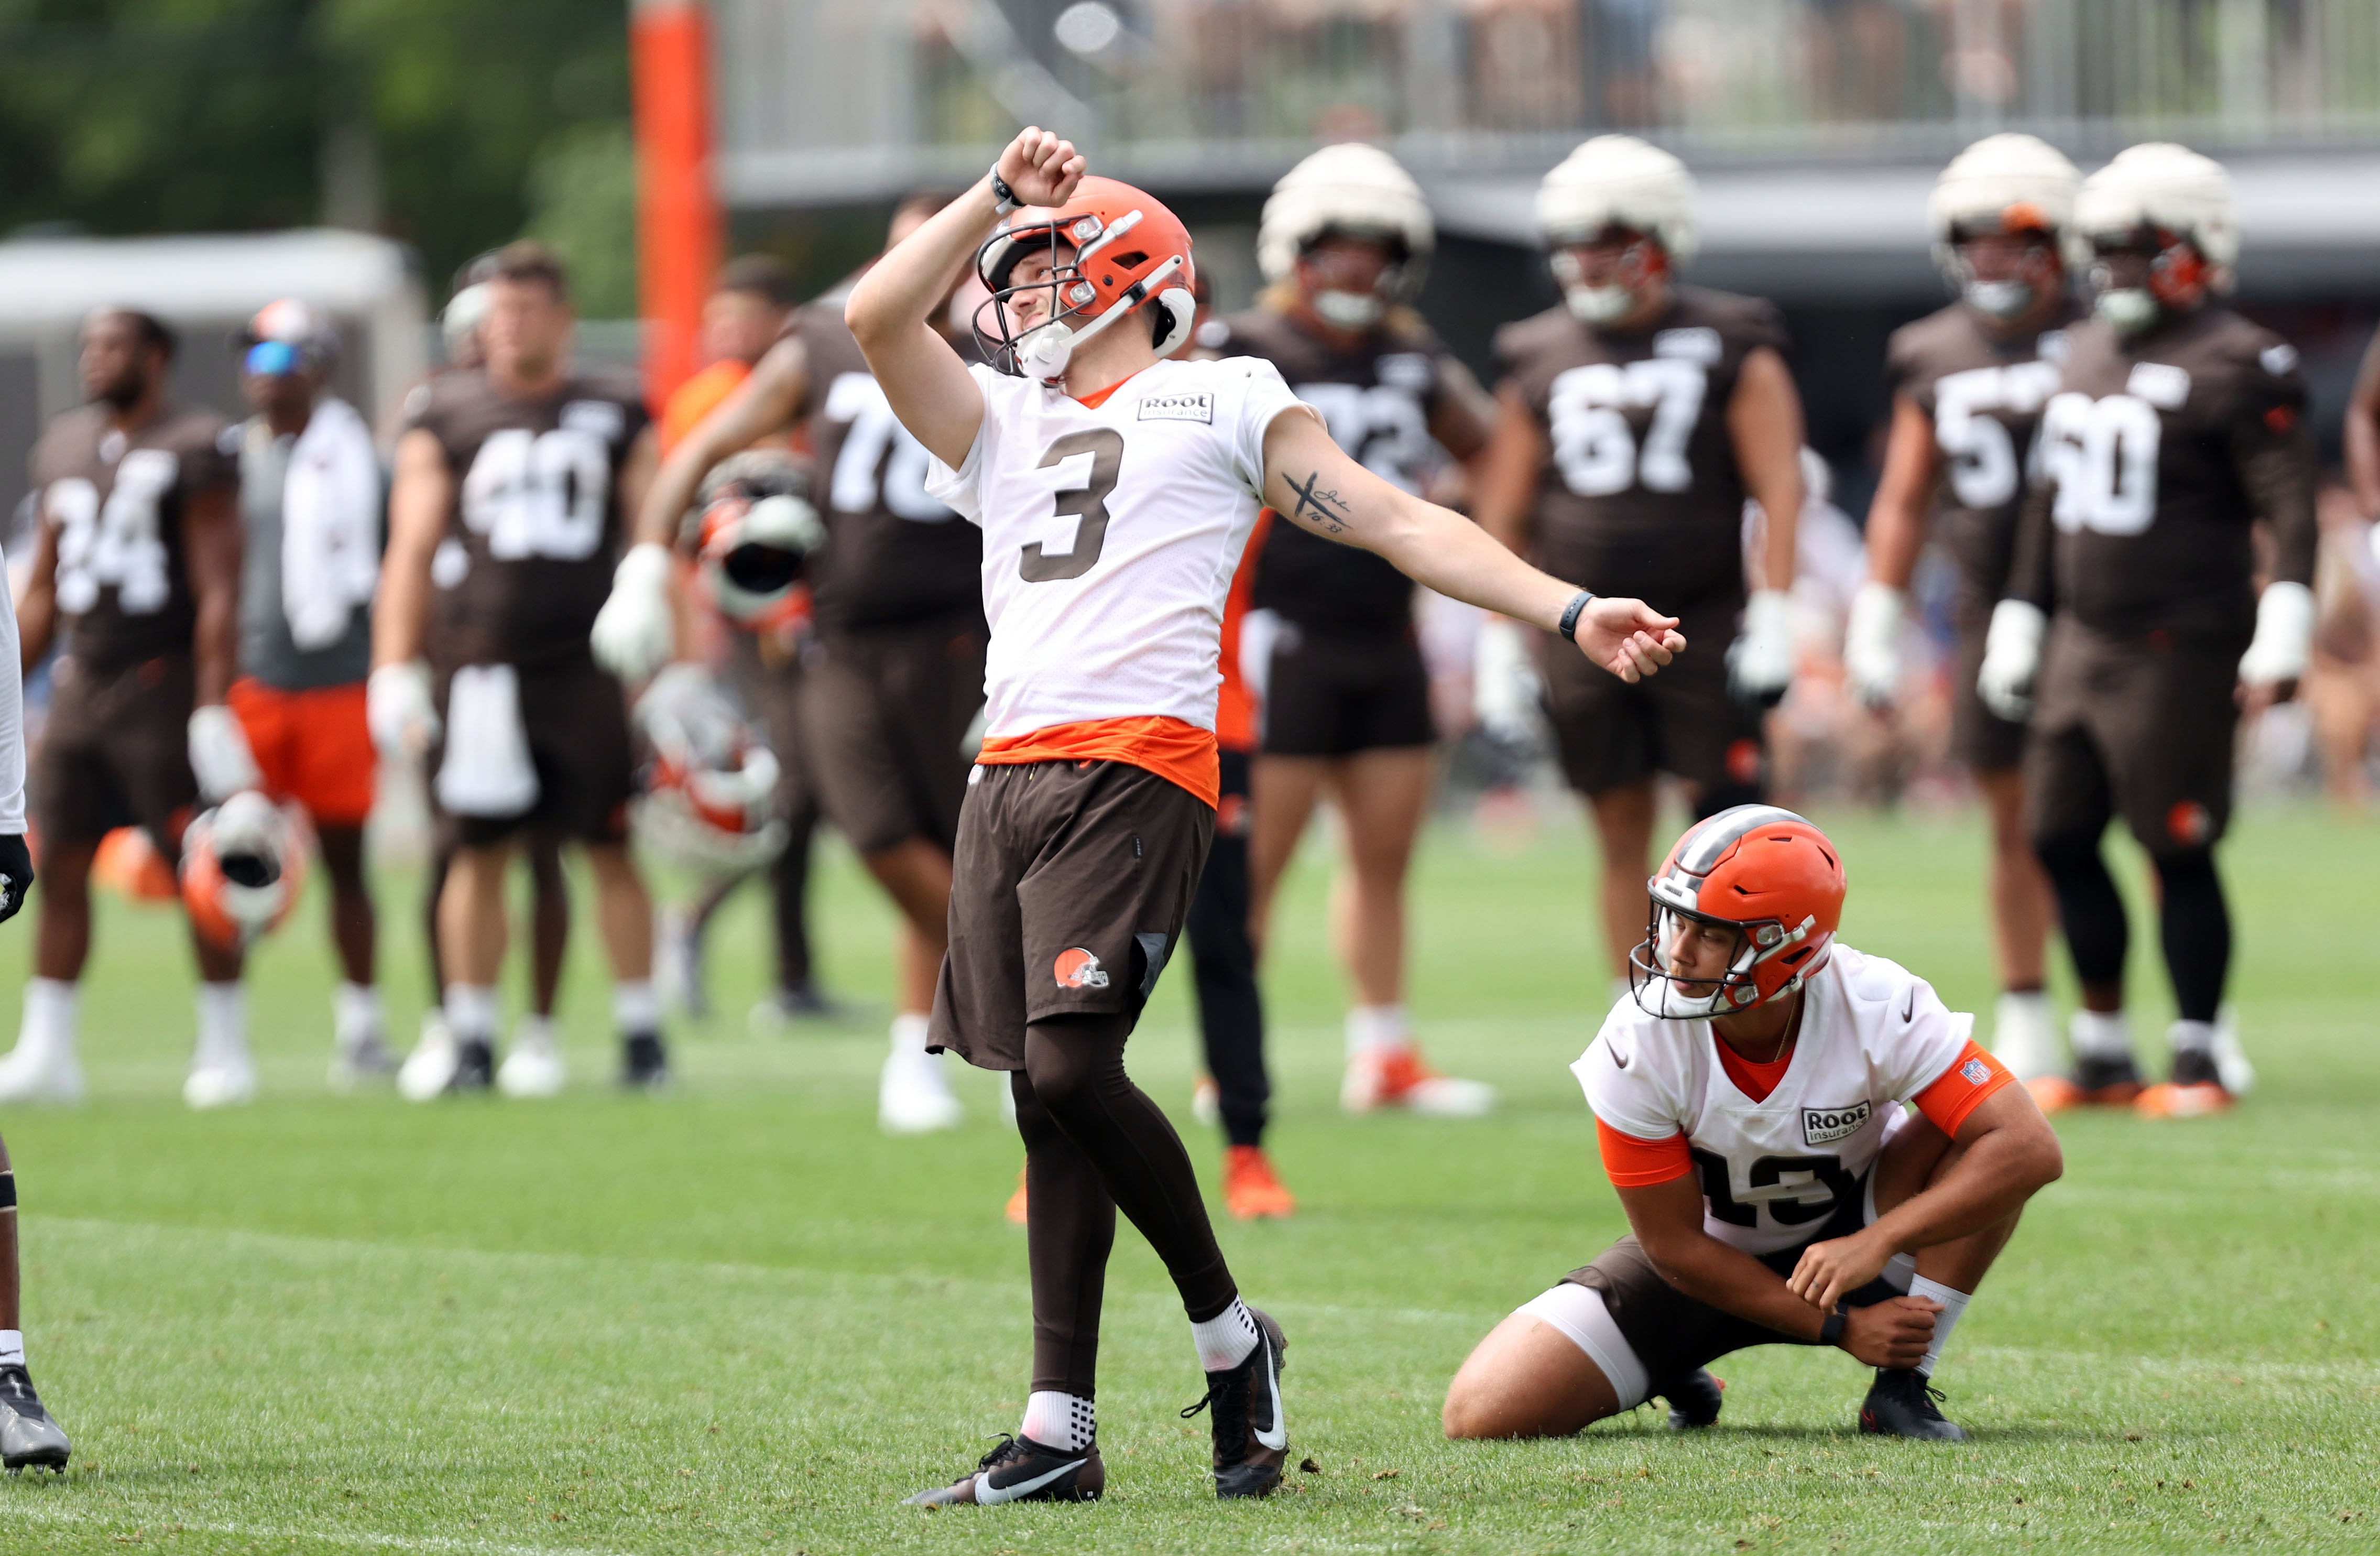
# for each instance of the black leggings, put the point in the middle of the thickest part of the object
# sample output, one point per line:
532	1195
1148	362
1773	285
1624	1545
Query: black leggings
1094	1143
1230	1010
2194	923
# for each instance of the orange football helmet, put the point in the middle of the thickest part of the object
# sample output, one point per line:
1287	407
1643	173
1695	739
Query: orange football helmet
710	802
1764	874
243	863
1111	249
758	531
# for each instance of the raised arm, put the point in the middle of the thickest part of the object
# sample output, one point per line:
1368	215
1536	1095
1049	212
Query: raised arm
1316	486
772	399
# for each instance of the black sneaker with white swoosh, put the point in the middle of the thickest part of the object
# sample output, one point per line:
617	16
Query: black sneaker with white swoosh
1251	1432
1021	1470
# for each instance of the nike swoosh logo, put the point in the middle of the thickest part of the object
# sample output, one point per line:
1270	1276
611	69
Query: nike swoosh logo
1619	1059
988	1494
1278	1438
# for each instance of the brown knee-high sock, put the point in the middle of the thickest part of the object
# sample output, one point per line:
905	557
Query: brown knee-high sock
1074	1065
1067	1239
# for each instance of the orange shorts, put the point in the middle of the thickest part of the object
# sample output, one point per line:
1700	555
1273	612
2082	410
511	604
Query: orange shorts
314	747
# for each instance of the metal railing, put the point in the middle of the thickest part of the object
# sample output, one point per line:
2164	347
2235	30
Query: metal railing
830	100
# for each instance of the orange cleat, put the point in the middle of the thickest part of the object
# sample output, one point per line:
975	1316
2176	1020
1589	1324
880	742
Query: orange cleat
1396	1077
1250	1190
2183	1100
1017	1202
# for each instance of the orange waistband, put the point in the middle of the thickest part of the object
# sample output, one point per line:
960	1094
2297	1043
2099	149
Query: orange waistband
1182	754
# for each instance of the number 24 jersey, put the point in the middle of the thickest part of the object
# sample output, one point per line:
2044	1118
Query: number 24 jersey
1874	1036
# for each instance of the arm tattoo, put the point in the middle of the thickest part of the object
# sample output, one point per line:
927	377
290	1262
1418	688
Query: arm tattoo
1319	503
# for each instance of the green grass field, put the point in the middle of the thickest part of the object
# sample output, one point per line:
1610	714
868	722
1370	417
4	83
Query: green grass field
738	1318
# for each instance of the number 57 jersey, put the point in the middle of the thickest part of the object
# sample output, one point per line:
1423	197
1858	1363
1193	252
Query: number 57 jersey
1110	532
1774	1167
1640	494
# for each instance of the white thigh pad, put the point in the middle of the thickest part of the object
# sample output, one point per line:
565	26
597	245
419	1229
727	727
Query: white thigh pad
486	771
1579	1313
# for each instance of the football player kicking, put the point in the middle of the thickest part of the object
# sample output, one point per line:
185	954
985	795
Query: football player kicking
1748	1102
1115	490
2176	426
140	555
1638	417
505	521
1969	383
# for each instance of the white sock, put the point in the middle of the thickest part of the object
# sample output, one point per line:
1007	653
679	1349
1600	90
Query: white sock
1378	1028
12	1349
223	1023
1066	1422
1225	1340
471	1012
635	1008
2191	1037
909	1031
49	1026
1953	1303
2100	1034
355	1014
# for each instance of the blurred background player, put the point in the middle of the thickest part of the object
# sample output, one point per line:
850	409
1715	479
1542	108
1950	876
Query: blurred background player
310	507
138	557
1968	386
896	676
505	519
1344	240
1637	417
2176	426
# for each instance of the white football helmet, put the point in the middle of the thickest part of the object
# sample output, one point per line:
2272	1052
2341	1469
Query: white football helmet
2158	184
2004	183
1352	188
1618	181
759	528
243	863
711	796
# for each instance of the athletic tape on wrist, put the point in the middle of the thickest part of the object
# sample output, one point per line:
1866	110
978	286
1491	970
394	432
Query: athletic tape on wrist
1571	612
7	1191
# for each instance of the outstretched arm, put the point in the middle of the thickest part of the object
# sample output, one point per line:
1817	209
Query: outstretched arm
769	401
1313	484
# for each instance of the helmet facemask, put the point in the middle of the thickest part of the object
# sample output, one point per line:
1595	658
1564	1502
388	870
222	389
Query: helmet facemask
1036	340
1692	966
2140	274
1605	276
2002	269
1326	269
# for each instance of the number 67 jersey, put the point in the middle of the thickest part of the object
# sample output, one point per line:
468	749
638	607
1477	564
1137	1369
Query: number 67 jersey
1777	1159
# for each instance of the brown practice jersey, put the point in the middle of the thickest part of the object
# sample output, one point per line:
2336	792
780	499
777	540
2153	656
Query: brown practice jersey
534	531
2157	455
1642	494
117	504
892	553
1378	400
1983	396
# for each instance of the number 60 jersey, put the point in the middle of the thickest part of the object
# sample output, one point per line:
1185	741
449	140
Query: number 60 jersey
535	529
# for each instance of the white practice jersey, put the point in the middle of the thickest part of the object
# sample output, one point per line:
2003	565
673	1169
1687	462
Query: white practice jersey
1109	537
1874	1036
12	712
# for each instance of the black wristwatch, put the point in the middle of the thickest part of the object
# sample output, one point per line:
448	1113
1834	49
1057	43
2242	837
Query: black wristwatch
1570	613
1831	1332
1003	196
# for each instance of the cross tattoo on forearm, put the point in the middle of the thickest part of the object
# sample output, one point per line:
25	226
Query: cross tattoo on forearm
1309	496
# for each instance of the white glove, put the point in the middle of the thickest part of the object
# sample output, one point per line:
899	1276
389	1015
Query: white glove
1872	643
635	629
219	753
399	713
2012	659
1505	689
2283	639
1760	661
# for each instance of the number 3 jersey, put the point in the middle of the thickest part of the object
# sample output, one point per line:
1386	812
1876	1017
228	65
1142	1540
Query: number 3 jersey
535	528
116	503
1640	494
1983	395
1669	1100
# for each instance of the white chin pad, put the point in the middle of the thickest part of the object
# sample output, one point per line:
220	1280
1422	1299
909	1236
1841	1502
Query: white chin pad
1044	350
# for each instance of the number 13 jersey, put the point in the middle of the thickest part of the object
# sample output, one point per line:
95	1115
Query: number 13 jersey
1111	532
1640	494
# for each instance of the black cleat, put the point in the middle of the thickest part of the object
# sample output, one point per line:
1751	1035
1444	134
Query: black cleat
1900	1403
2195	1066
1251	1433
1693	1402
474	1067
644	1063
1021	1470
29	1439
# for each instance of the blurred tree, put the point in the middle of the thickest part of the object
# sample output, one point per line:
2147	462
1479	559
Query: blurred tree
465	123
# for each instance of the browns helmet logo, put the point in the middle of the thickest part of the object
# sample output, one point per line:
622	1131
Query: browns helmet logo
2189	824
1078	968
1744	762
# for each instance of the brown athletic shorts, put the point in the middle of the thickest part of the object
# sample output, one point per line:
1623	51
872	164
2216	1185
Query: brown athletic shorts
884	712
1672	1333
1332	694
1979	738
116	752
577	721
1070	884
2138	727
1682	722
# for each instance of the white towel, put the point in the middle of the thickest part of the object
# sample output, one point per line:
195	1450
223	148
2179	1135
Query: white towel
487	769
330	525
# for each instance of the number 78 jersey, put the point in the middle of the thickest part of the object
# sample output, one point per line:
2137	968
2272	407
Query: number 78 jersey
1111	532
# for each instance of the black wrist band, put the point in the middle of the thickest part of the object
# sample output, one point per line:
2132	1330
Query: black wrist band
1571	612
1002	193
1831	1332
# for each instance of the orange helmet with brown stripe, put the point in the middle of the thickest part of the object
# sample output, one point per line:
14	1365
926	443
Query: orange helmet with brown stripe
1765	875
1110	250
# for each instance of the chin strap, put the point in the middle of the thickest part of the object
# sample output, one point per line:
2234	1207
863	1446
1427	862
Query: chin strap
1047	362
